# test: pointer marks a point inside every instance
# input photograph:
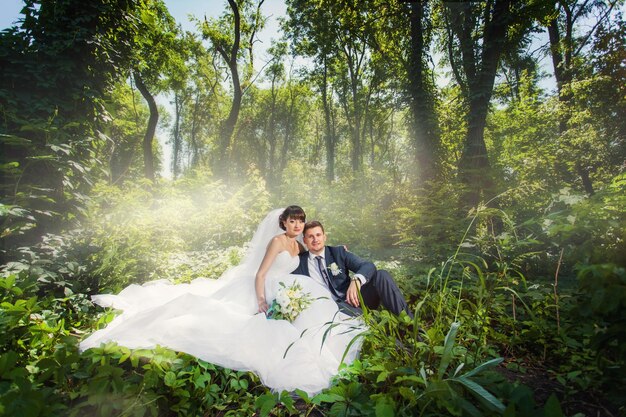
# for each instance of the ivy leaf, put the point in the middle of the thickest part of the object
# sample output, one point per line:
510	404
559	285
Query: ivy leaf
339	409
265	403
170	379
385	407
552	407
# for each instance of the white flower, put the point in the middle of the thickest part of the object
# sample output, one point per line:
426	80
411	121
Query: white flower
334	269
282	299
289	302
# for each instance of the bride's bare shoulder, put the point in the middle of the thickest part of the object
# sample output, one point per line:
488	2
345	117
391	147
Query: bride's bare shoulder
280	237
277	241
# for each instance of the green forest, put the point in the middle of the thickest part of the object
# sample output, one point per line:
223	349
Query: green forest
476	150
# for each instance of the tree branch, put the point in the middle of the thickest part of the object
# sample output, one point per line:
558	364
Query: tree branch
593	29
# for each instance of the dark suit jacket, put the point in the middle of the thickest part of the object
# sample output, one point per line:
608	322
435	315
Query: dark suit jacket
346	261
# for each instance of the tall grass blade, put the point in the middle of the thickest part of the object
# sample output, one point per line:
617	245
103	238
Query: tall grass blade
352	341
489	364
447	349
481	393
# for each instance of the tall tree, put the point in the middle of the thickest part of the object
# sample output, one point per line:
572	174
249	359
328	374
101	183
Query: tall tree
338	34
403	36
477	34
230	35
159	62
153	119
566	47
57	66
201	98
312	37
421	92
125	131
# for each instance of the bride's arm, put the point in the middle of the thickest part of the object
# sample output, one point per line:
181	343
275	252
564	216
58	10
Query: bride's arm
259	283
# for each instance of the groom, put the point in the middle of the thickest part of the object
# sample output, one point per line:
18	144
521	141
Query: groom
330	265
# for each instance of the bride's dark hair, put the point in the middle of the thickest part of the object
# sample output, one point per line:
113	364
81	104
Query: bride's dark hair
295	212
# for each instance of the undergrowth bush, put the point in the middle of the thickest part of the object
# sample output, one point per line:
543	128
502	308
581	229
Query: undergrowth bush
357	212
472	282
170	230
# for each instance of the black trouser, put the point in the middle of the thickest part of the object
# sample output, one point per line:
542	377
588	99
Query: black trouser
380	289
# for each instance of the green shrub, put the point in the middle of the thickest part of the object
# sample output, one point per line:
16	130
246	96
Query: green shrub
601	302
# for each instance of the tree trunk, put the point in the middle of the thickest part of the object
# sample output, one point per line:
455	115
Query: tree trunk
561	50
357	153
228	126
177	140
480	74
148	138
195	149
425	131
272	168
329	139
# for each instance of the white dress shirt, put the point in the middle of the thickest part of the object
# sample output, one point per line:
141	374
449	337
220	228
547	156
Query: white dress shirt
314	272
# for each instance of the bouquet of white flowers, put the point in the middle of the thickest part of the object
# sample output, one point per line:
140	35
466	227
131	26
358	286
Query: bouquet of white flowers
289	302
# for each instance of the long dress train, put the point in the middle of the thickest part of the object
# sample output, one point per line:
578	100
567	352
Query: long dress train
216	320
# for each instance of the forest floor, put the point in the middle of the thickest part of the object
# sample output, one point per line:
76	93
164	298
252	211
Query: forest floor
537	377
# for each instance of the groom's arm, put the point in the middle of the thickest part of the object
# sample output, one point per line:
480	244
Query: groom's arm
359	266
362	271
300	270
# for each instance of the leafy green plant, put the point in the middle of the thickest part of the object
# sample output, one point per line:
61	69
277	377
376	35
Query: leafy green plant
403	371
602	300
590	228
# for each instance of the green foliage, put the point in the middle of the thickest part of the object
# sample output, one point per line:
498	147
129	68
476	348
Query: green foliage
430	222
350	212
125	131
80	47
45	188
64	56
523	139
534	276
172	231
601	302
121	381
179	233
43	374
408	373
592	229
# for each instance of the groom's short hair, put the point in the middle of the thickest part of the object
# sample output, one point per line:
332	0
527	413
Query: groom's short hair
312	224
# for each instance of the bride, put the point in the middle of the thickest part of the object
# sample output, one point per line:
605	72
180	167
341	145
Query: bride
223	322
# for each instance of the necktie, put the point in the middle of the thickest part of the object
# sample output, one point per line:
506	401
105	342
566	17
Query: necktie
324	274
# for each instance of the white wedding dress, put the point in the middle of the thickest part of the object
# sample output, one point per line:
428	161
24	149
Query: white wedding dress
216	320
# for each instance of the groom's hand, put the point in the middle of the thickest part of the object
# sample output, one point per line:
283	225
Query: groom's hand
352	295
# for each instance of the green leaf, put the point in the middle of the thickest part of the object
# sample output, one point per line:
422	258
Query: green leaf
303	395
265	403
382	376
202	380
553	407
125	355
489	364
286	400
170	379
385	407
407	393
339	409
327	398
448	344
7	362
481	393
234	384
